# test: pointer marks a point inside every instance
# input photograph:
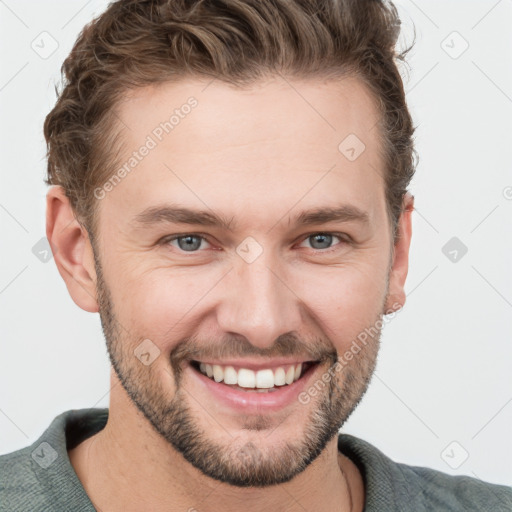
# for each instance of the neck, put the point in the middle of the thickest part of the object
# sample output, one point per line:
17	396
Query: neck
128	466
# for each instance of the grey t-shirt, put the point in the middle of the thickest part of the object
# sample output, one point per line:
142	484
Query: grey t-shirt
40	477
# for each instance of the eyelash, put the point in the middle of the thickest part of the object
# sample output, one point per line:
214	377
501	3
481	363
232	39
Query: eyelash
344	239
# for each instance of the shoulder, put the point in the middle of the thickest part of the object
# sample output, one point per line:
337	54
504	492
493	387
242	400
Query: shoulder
454	492
392	485
20	487
40	477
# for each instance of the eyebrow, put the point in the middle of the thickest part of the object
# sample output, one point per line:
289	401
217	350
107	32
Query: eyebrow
181	215
344	213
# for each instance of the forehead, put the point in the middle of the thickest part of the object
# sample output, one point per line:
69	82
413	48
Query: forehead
273	109
206	141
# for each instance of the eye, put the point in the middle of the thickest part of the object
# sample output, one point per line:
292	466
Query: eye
187	243
322	241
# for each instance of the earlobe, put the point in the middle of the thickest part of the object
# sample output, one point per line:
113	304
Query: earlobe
72	249
400	265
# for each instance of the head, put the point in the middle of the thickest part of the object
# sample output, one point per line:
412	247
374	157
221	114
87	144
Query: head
232	186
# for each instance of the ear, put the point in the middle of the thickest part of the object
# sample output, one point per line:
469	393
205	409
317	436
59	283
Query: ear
400	264
72	250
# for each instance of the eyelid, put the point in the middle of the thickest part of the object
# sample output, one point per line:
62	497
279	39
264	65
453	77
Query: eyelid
165	240
344	238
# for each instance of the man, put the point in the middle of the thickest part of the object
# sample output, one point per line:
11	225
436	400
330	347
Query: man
230	194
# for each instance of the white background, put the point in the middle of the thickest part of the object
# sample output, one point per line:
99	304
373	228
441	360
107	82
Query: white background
444	372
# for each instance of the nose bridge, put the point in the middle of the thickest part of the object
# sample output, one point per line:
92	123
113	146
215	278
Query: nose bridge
259	305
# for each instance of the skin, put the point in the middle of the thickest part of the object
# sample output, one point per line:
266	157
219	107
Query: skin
258	157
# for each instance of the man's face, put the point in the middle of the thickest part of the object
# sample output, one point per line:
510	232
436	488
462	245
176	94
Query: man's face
266	291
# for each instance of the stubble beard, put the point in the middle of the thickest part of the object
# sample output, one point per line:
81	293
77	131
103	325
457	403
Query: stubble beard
244	463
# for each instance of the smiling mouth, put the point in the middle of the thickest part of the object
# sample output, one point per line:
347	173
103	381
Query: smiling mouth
263	381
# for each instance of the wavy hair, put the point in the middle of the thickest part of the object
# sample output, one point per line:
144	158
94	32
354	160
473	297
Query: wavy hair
136	43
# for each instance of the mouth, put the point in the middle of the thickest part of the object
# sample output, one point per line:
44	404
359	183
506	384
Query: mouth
270	379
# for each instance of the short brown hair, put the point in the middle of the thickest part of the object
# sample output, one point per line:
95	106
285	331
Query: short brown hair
135	43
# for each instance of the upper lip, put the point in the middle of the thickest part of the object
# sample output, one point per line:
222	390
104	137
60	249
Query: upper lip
256	364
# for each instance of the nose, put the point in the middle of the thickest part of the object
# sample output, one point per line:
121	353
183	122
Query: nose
258	303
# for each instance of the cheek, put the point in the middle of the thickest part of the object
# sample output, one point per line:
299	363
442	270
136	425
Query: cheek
167	304
344	300
159	304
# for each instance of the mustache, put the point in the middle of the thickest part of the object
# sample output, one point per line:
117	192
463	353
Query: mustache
238	346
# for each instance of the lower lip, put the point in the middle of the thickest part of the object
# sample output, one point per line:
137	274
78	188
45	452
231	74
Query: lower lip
254	401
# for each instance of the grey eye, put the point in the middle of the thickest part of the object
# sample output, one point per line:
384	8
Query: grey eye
189	242
320	241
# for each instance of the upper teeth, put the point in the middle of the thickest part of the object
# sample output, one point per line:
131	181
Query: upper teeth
245	378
